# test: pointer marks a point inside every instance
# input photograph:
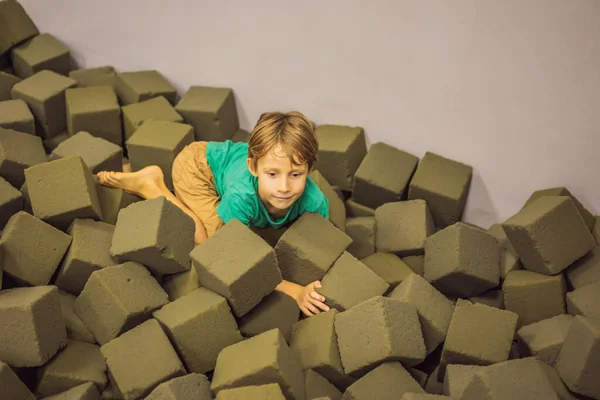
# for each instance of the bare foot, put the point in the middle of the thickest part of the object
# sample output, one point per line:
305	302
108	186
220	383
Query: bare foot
147	182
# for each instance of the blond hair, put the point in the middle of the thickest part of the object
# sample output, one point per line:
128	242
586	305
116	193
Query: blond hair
292	131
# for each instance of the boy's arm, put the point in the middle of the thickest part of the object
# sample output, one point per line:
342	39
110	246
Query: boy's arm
309	301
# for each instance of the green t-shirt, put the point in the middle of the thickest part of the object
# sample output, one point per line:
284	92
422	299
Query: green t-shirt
238	189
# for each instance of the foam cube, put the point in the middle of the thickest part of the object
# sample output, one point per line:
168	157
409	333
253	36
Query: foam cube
97	154
585	270
376	330
76	329
99	76
492	298
32	249
19	151
260	360
549	234
362	231
383	175
585	301
307	250
587	216
341	150
117	298
182	283
544	339
434	309
146	350
95	110
416	263
534	296
477	334
187	387
349	282
389	267
78	363
85	391
276	310
424	396
509	259
457	378
139	86
113	200
158	108
44	92
444	184
317	386
7	81
241	136
89	251
270	391
337	210
11	202
557	383
596	229
52	143
200	325
403	227
62	190
389	377
156	233
11	385
354	209
211	111
15	114
462	260
17	26
33	312
42	52
158	143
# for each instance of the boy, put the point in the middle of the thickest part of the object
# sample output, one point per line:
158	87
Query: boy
262	183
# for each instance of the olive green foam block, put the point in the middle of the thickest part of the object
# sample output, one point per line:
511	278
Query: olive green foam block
585	301
350	282
353	209
188	387
62	190
98	154
320	355
559	386
113	200
241	136
200	325
11	386
578	362
19	151
389	267
515	379
587	216
182	283
492	298
141	359
424	396
211	111
95	110
457	378
237	264
158	108
308	249
156	233
33	312
16	26
117	298
549	234
267	359
11	202
389	377
462	260
44	92
276	310
544	339
403	227
7	81
158	143
76	329
15	114
434	309
341	150
534	297
585	270
41	52
85	391
99	76
416	263
376	330
383	175
139	86
337	209
477	334
78	363
362	231
509	259
444	184
52	143
270	391
32	248
317	386
89	251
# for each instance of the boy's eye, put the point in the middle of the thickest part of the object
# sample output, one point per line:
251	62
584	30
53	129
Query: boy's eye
272	174
296	175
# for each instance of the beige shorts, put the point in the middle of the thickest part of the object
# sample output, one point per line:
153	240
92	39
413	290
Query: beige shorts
194	185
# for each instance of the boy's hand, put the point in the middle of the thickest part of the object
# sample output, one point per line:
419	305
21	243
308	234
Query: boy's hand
309	301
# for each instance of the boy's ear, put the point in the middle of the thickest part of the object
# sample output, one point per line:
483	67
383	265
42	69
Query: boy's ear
251	166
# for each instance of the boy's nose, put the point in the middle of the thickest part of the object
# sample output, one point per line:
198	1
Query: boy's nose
284	186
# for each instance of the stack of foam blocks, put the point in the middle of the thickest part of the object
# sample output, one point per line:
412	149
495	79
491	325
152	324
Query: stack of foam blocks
104	295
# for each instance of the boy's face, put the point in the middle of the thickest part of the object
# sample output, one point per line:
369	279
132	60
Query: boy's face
280	181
